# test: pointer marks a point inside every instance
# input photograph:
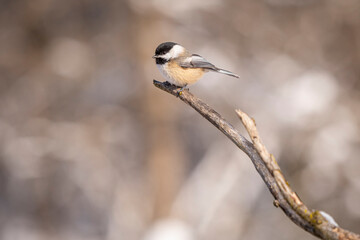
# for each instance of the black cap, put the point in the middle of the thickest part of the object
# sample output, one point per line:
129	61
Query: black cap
164	48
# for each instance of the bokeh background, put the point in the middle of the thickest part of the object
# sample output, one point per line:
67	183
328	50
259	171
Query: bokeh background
90	149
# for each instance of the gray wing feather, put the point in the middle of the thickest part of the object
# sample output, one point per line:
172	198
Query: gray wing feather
196	61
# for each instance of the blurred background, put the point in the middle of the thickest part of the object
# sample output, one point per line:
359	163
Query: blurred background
90	149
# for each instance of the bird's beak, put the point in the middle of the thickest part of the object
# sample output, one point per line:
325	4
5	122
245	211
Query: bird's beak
154	56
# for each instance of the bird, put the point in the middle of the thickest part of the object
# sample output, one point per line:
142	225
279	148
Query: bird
182	68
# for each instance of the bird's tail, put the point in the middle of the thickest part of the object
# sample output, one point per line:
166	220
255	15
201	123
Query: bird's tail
227	73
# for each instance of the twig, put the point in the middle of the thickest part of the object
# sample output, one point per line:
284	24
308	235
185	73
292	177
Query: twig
285	198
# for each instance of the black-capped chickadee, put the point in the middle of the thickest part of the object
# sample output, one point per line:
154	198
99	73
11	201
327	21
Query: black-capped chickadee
182	68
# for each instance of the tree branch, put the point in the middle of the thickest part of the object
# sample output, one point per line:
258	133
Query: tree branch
312	221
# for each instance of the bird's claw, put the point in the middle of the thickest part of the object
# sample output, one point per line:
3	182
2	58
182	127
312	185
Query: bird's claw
179	92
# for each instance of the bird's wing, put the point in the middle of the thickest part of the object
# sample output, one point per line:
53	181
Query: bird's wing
196	61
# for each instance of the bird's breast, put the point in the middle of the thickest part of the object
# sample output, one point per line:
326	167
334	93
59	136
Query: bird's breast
183	76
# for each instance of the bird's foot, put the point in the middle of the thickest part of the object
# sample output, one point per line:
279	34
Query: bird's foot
179	92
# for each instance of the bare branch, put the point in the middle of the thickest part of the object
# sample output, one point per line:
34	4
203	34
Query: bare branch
265	164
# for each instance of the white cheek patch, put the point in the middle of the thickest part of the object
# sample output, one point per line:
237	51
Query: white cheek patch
166	56
176	51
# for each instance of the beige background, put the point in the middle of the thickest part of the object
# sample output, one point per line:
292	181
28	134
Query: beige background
90	149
